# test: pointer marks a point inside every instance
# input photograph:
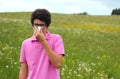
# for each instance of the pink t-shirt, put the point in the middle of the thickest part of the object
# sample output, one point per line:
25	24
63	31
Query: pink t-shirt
39	65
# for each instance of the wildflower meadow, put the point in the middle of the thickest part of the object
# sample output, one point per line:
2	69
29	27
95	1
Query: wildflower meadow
92	44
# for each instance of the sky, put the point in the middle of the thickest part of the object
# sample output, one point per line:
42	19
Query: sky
92	7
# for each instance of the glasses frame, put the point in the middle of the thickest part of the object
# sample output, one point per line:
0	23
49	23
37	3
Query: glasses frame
41	25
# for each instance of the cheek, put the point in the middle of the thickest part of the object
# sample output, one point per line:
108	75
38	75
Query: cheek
44	29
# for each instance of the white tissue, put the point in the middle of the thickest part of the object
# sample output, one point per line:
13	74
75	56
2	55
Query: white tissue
39	28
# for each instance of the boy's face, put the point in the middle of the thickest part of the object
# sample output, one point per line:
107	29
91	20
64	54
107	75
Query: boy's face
40	23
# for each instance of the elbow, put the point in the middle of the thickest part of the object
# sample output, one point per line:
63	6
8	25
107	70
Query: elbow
58	65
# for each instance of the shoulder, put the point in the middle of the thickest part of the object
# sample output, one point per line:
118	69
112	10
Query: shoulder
56	36
26	41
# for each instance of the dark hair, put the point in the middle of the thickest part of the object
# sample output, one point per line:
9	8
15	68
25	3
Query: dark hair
41	14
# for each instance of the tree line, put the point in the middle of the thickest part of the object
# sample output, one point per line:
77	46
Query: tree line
116	11
84	13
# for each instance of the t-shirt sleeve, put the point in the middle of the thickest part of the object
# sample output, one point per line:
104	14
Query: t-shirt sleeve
22	53
58	45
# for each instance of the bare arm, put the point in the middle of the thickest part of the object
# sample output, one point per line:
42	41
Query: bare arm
55	58
23	71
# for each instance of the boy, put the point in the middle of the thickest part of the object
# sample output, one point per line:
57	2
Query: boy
41	55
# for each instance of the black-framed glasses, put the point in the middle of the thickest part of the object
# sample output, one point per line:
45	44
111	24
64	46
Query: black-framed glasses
42	25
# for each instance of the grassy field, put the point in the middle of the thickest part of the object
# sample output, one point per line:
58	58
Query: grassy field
92	44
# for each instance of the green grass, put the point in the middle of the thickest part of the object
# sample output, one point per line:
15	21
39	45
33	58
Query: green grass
91	44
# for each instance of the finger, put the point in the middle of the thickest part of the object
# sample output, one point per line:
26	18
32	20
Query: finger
41	31
35	28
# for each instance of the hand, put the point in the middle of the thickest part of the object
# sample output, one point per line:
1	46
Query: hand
39	35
